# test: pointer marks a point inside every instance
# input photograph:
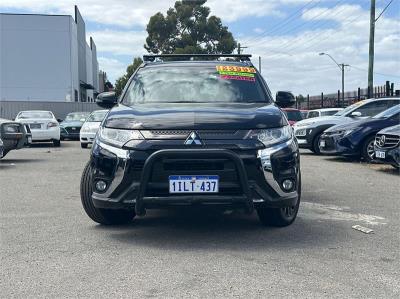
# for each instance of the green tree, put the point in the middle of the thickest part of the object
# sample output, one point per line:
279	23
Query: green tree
121	82
188	28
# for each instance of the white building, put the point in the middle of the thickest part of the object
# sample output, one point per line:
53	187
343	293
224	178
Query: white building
46	58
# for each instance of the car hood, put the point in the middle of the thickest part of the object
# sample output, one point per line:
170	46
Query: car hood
324	120
224	116
92	125
394	130
73	123
347	126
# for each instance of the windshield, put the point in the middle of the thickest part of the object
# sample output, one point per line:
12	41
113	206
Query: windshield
97	116
328	113
293	115
77	116
351	107
35	114
195	84
389	112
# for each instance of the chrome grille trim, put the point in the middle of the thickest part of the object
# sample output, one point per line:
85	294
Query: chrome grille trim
204	134
391	141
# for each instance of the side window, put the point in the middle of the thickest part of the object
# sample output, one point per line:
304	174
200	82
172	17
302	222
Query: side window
373	108
312	114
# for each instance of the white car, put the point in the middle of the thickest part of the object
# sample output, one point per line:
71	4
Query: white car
91	126
43	124
323	112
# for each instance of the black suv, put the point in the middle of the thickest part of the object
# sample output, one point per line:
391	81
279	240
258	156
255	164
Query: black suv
193	130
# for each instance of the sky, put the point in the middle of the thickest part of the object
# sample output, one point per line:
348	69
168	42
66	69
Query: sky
286	34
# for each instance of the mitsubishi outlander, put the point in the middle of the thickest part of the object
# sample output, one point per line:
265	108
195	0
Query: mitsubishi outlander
193	130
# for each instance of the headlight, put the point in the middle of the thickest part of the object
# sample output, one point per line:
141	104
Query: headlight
118	137
275	135
343	132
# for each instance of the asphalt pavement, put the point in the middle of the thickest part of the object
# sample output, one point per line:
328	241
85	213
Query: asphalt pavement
50	248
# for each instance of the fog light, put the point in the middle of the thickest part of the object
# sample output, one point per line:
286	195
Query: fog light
101	186
287	185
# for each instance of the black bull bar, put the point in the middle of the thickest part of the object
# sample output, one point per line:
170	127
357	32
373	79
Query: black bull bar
245	197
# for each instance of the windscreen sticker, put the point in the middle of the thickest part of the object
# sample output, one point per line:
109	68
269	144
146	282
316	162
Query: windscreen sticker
236	74
241	78
232	72
234	68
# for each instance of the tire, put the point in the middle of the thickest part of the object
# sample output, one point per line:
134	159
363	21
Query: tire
84	145
280	217
102	216
315	144
56	143
62	138
367	150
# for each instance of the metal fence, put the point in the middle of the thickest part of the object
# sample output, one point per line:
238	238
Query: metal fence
10	109
335	100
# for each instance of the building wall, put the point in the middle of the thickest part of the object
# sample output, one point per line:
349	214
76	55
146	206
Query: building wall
46	58
35	58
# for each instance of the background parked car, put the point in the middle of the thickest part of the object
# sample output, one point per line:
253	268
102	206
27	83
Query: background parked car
1	148
304	113
43	125
309	131
323	112
72	124
293	115
387	146
13	135
357	138
91	126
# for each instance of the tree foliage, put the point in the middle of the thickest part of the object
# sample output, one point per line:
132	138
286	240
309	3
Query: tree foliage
188	28
121	82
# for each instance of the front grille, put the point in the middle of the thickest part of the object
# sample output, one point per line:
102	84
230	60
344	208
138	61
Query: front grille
72	130
203	134
386	141
226	170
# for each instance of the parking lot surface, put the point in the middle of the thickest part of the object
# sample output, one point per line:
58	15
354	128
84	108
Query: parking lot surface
50	248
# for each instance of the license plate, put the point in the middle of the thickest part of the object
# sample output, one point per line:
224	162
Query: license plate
193	183
322	143
35	126
300	132
380	154
29	139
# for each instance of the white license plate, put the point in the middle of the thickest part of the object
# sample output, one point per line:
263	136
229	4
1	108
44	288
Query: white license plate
35	126
193	183
29	139
380	154
322	143
300	133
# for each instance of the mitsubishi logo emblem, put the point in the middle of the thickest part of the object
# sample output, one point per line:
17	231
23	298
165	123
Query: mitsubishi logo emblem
381	141
193	139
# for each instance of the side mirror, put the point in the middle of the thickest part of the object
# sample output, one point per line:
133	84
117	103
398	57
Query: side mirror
59	120
107	99
356	114
285	99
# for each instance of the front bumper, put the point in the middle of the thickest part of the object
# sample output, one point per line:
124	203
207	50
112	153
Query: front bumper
336	145
139	179
303	136
87	137
392	155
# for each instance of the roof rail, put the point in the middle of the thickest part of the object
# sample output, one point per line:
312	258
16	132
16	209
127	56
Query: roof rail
151	58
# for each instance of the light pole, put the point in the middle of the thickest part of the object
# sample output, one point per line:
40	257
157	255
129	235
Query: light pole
341	67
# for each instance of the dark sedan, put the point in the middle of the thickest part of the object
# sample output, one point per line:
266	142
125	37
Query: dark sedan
357	138
387	146
72	124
